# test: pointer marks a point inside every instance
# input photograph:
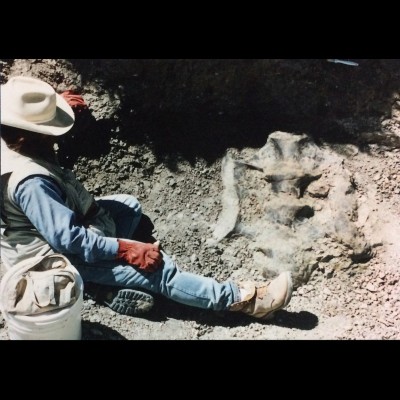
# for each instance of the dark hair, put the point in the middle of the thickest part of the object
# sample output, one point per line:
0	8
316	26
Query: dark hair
29	143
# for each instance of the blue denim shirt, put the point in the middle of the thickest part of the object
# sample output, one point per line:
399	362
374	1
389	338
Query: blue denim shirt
41	201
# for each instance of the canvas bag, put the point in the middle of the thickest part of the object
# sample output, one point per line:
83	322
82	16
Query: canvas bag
41	284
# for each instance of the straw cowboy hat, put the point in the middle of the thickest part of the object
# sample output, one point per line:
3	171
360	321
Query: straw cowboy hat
33	105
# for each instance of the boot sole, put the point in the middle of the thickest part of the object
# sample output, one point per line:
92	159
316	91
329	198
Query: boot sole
290	289
130	302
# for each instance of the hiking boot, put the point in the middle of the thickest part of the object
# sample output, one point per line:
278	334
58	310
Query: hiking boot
124	301
264	299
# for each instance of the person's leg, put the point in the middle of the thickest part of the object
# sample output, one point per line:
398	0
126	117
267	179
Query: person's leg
257	300
126	212
182	287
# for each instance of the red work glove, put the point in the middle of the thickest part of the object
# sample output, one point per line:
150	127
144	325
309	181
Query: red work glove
145	256
74	100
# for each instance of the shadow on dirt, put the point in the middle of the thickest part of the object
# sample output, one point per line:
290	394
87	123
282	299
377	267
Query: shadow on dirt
174	138
97	331
165	309
87	138
303	320
191	108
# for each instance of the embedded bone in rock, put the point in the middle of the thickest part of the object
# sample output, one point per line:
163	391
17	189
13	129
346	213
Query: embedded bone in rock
230	200
295	203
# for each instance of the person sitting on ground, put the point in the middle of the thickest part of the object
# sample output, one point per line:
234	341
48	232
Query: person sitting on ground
46	210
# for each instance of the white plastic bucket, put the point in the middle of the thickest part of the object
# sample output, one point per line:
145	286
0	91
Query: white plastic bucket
61	324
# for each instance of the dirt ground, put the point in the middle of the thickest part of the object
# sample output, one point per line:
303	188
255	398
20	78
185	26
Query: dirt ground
180	190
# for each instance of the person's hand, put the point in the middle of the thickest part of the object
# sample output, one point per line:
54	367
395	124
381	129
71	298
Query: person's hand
145	256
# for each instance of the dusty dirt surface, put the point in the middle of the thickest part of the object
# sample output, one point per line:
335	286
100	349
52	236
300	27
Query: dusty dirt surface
181	191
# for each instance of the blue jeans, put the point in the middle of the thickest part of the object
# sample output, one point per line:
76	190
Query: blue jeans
182	287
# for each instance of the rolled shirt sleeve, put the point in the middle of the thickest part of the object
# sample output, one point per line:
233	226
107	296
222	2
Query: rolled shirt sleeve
40	198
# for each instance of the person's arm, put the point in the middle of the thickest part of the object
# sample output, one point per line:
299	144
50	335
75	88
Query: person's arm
40	198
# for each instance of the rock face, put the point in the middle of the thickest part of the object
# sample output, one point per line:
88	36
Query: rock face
296	203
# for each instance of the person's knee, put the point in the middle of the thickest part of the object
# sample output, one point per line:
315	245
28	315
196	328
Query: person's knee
133	203
130	201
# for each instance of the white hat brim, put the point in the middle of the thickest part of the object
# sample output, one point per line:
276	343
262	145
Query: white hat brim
61	123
